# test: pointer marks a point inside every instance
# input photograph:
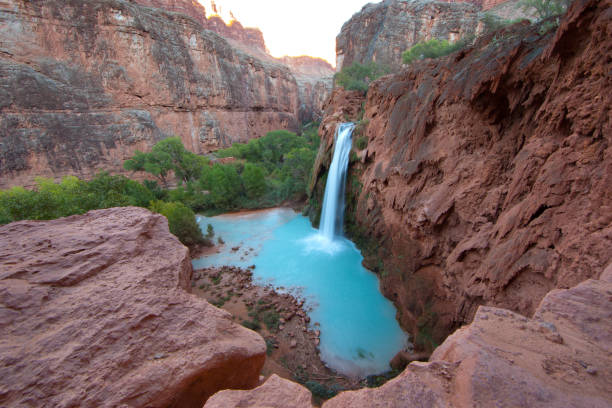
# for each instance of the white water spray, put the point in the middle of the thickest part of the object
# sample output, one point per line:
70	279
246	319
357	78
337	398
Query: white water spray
333	201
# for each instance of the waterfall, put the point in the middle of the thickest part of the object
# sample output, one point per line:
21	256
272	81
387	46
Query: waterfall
333	201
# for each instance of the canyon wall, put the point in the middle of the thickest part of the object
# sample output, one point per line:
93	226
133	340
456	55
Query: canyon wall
251	37
381	32
84	84
487	175
315	82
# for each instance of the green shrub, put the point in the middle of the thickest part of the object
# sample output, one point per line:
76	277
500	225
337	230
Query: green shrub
433	48
544	9
251	324
357	77
492	22
271	320
181	221
49	200
320	390
269	347
361	142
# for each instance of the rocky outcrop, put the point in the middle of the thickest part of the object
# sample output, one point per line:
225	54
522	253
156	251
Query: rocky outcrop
486	178
84	84
274	393
250	37
95	311
559	358
381	32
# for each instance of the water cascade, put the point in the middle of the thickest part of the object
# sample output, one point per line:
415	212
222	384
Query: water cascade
333	201
359	333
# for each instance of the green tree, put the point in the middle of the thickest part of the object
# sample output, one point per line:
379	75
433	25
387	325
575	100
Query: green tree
544	9
297	169
358	76
225	186
155	163
433	48
254	180
166	156
181	221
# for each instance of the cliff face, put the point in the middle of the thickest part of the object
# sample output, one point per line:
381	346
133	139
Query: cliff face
315	82
381	32
486	178
84	84
95	311
251	37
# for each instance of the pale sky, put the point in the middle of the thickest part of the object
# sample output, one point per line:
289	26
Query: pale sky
293	27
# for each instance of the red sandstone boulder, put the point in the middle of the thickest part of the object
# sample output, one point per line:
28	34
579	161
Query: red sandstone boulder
95	311
560	358
274	393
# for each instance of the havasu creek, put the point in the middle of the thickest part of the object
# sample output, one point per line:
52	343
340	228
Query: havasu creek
358	331
199	210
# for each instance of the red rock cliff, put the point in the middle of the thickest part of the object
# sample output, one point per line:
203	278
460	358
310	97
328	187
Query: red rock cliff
487	175
381	32
84	84
251	37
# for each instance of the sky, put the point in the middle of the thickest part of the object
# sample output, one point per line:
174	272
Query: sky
293	27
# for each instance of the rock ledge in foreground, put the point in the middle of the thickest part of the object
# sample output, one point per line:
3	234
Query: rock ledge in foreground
95	311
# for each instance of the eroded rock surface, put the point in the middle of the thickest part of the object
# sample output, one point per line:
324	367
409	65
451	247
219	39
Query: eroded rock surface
95	311
487	175
315	83
250	37
381	32
560	358
274	393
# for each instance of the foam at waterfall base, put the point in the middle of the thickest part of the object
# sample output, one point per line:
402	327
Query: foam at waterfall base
320	243
359	333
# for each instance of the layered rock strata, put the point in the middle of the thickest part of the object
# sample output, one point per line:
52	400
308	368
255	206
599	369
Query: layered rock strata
250	37
381	32
84	84
95	311
314	77
486	178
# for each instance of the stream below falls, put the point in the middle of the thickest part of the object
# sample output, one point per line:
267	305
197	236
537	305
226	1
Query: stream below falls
359	333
